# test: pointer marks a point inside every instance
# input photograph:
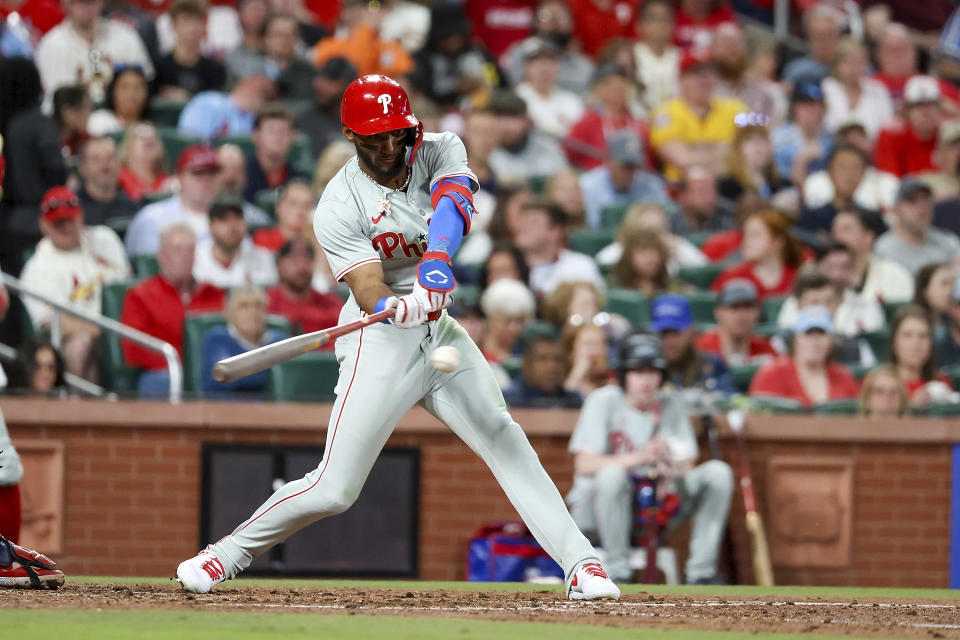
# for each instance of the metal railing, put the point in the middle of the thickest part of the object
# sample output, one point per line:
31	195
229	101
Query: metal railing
167	350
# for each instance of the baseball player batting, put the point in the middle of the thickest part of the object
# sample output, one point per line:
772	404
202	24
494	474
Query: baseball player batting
372	222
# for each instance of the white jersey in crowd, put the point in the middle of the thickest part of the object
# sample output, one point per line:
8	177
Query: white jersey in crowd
355	228
608	425
570	266
64	57
75	276
252	265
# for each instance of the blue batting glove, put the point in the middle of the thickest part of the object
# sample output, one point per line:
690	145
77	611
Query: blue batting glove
434	273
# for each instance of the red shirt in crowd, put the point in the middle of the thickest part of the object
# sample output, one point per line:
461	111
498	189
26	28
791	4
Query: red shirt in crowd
696	33
594	25
721	244
319	311
915	385
155	307
39	15
497	24
135	187
745	270
270	239
587	141
779	378
758	346
899	151
896	85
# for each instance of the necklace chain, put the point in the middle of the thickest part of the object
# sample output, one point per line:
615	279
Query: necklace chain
386	191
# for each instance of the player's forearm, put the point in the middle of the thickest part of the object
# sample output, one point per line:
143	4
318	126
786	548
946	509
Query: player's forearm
367	285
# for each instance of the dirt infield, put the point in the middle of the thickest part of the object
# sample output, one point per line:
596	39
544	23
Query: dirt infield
876	618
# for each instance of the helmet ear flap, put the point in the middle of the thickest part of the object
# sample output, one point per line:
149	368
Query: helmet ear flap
413	141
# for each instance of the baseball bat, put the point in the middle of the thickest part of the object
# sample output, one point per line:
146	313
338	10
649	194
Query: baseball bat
245	364
762	568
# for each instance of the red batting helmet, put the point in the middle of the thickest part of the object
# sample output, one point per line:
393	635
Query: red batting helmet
375	104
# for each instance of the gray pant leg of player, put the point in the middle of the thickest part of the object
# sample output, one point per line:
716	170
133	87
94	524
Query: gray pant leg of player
706	491
469	401
612	509
371	399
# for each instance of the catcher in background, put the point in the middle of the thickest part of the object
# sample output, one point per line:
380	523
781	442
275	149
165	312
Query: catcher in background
636	429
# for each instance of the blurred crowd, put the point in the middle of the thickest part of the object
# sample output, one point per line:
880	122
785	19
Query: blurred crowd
782	214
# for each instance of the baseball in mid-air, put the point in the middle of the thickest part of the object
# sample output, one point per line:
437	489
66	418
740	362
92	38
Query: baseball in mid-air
445	358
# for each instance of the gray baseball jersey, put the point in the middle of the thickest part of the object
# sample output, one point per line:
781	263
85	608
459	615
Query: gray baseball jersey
385	370
355	228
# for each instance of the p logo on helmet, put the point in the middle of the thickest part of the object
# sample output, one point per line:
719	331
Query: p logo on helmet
376	104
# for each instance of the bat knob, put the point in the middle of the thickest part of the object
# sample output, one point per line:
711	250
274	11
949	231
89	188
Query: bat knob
219	373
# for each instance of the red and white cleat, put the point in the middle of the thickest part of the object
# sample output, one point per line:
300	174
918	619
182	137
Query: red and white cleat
200	573
25	568
590	582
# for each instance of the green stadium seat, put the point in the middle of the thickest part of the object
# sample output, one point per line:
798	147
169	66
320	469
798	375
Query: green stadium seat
611	216
772	307
468	294
859	371
194	327
536	330
267	200
114	373
513	366
301	155
698	237
742	375
702	304
630	304
890	309
767	329
310	377
165	113
879	342
145	265
945	410
538	184
119	224
700	277
244	142
590	241
343	291
771	404
845	407
174	142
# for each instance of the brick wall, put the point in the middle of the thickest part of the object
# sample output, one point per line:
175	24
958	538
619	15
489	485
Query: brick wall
133	485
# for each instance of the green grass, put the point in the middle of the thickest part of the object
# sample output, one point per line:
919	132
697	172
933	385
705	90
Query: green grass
744	591
162	625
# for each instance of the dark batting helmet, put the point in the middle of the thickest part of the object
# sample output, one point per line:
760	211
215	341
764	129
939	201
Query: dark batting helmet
640	351
375	104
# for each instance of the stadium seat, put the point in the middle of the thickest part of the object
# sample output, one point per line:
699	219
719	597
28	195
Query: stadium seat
538	329
174	142
890	308
698	237
310	377
612	215
946	410
301	155
630	304
146	265
845	407
772	307
267	200
466	294
119	224
953	372
742	375
700	277
538	184
165	113
244	142
859	370
513	366
114	373
879	342
767	329
702	304
194	327
590	241
772	404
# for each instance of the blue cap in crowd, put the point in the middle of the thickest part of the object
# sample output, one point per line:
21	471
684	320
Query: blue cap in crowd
671	312
813	318
807	92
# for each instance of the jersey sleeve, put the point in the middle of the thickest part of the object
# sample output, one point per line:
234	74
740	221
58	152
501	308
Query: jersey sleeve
448	157
590	434
342	239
